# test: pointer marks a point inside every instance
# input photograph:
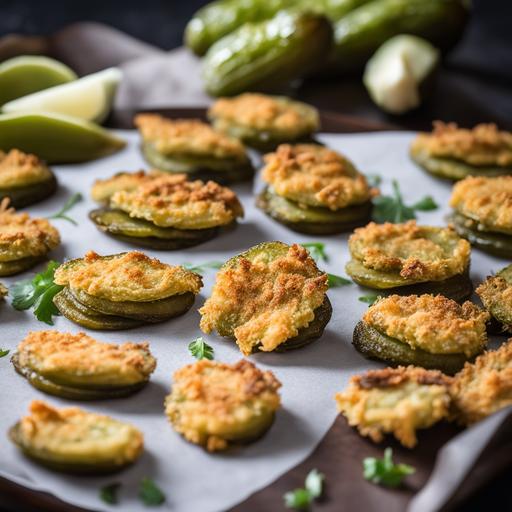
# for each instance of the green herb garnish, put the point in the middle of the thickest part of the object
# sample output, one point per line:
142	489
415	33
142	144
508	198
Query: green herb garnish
384	471
301	499
200	349
316	251
393	209
374	180
61	214
200	268
369	299
108	494
149	493
335	281
38	293
4	352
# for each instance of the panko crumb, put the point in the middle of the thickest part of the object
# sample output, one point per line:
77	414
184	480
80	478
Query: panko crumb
19	169
435	324
188	137
423	253
85	359
496	295
395	400
213	403
129	276
262	301
313	175
173	201
275	114
485	199
483	145
485	386
22	236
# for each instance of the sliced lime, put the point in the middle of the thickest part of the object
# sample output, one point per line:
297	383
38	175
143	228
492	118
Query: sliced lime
24	75
56	138
88	98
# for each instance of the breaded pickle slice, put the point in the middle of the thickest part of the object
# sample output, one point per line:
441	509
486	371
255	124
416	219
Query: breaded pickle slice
271	297
218	405
263	55
24	179
483	387
24	241
455	153
495	293
72	440
78	367
189	146
426	330
262	121
398	401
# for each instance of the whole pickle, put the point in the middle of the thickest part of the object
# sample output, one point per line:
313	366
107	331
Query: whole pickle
362	31
261	55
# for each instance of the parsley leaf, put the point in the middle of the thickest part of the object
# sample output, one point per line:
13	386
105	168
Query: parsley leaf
200	349
149	493
384	471
38	293
200	268
369	299
61	214
301	499
393	209
335	281
3	352
316	250
109	493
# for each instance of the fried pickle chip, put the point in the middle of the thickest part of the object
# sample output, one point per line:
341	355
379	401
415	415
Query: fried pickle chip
397	401
485	386
496	295
18	169
76	441
216	405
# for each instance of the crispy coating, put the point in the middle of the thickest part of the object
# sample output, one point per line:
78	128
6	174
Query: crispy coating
173	201
395	400
22	236
315	176
129	276
415	252
496	295
72	434
485	386
18	169
80	359
265	302
432	323
3	291
213	403
188	137
480	146
487	200
274	114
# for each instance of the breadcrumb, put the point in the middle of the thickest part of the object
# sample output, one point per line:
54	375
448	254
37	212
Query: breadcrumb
19	169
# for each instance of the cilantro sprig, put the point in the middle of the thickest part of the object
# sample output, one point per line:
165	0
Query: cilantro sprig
68	205
393	209
369	299
38	293
200	349
318	253
149	493
202	267
302	498
4	352
384	471
108	493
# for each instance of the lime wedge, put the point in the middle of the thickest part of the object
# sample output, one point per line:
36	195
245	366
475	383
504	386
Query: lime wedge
398	72
27	74
56	138
88	98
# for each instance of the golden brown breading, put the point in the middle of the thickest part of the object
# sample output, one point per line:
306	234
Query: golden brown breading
487	200
266	113
129	276
22	237
265	303
496	295
83	359
485	386
213	404
432	323
72	433
21	169
173	201
395	400
315	175
416	252
483	145
187	136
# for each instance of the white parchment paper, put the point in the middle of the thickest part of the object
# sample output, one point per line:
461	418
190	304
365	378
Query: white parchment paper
192	479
